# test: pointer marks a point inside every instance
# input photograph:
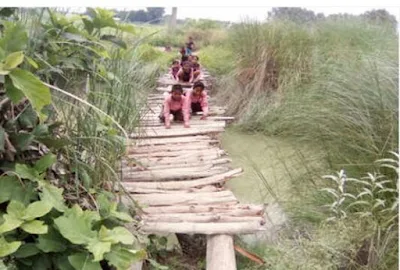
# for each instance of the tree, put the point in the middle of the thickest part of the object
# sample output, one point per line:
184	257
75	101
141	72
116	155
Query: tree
380	16
138	16
295	14
155	14
152	15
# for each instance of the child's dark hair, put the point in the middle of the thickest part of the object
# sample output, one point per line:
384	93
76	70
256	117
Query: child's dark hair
184	59
199	84
186	63
197	58
177	88
175	62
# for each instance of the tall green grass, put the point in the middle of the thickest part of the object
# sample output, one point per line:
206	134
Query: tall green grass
219	60
338	86
99	100
338	90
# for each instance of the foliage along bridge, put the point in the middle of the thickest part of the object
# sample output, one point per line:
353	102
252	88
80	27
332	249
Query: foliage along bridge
178	178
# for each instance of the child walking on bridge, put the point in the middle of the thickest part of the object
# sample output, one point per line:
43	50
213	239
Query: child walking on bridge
177	105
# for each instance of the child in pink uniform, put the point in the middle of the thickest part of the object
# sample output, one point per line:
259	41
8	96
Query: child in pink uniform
177	105
195	67
174	69
197	98
185	74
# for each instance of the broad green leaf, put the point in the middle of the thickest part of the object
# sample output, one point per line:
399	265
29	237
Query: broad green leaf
128	28
121	216
7	186
104	204
41	130
10	223
16	209
52	241
116	235
7	248
62	263
122	258
26	263
26	250
37	209
82	261
98	248
118	214
88	25
28	118
35	227
23	140
12	92
32	62
26	172
12	188
14	37
52	142
13	60
37	93
44	261
3	70
2	140
45	162
76	225
52	195
103	20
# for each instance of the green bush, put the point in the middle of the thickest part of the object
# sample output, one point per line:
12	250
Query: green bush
60	152
217	59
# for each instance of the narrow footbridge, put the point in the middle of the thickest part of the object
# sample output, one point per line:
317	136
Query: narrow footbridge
178	177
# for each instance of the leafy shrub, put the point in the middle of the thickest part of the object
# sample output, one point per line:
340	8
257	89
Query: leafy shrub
56	208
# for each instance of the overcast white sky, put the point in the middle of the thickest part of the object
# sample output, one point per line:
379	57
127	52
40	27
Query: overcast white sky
226	10
237	13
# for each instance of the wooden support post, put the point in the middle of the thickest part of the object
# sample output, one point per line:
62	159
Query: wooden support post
220	252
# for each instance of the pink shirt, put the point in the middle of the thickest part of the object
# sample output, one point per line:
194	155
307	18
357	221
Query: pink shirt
172	105
203	99
174	71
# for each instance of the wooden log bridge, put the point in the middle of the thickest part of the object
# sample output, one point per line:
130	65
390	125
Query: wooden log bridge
177	176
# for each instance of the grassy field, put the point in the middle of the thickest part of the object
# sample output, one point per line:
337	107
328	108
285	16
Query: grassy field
316	108
326	97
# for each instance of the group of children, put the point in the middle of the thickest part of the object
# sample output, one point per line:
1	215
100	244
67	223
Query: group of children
184	104
186	71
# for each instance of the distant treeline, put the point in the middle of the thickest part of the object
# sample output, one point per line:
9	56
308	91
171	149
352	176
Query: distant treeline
302	15
156	15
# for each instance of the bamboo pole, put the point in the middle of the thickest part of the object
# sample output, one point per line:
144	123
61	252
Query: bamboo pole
220	252
184	184
203	228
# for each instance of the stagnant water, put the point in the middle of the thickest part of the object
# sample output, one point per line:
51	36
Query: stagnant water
270	166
